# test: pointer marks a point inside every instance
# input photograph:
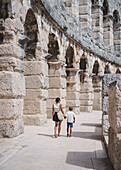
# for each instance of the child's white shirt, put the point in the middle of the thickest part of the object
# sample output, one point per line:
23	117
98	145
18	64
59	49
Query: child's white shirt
70	116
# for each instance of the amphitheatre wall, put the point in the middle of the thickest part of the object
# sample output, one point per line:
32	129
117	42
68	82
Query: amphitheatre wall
47	50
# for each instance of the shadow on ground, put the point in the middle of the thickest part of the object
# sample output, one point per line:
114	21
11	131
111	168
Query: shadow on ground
52	136
88	160
87	135
92	124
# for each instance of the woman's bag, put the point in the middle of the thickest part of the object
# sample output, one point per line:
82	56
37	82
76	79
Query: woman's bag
60	116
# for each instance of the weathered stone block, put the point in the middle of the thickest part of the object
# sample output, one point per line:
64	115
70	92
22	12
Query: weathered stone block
11	109
32	107
53	93
12	84
115	106
57	82
11	128
33	94
35	68
35	120
73	96
34	82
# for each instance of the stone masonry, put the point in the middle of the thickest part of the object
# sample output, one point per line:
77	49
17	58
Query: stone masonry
54	48
114	148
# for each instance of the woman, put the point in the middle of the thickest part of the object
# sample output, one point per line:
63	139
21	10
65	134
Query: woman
55	109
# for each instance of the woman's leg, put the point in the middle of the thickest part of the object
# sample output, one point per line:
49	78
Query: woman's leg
59	128
56	124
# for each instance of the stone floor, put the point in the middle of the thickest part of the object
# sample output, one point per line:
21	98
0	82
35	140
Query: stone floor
37	149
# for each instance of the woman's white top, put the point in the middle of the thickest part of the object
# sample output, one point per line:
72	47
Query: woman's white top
56	107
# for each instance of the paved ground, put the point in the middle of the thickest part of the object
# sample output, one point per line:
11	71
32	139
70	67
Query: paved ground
37	149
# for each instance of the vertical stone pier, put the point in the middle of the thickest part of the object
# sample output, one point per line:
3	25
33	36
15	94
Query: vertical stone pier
108	30
36	92
97	22
57	85
12	83
86	94
97	85
85	15
73	89
114	148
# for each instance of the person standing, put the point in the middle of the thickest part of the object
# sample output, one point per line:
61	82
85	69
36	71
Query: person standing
70	115
55	109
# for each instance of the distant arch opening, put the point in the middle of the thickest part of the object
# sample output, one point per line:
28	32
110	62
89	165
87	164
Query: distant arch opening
96	68
69	57
118	71
31	31
5	9
107	70
53	47
105	8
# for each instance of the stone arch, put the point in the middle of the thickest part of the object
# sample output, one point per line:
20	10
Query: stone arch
105	8
83	67
69	57
107	70
5	9
31	31
94	2
83	63
53	47
118	71
116	33
96	68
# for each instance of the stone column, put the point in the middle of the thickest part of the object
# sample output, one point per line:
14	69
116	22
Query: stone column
108	30
73	89
85	15
12	84
86	93
36	92
97	85
72	11
114	148
97	23
117	39
57	85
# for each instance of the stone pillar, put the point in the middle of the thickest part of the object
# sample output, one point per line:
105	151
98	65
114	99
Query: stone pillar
97	85
57	85
108	30
117	39
73	89
85	15
36	92
86	94
97	23
72	11
114	148
12	84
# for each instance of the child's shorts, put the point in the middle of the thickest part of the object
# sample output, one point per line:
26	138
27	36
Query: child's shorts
70	124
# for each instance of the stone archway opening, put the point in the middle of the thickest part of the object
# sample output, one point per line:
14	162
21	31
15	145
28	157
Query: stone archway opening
72	78
31	31
33	76
107	70
56	76
118	71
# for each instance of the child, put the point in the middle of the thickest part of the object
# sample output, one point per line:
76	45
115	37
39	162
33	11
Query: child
70	115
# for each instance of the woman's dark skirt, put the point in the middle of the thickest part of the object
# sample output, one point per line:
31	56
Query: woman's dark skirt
55	117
